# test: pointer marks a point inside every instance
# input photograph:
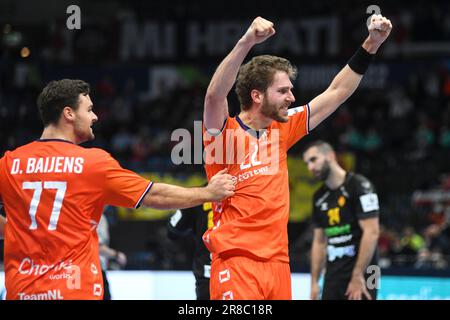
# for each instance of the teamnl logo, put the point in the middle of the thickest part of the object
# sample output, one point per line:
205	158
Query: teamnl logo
256	152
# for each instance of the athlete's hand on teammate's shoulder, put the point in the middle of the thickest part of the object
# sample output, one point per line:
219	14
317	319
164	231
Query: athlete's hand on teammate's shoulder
221	186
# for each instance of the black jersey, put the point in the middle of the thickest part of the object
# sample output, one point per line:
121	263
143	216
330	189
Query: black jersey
337	212
194	222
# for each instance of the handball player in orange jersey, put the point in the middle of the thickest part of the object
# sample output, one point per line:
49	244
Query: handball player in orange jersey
54	191
249	240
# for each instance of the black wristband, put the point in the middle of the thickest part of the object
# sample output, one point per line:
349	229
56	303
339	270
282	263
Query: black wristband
360	61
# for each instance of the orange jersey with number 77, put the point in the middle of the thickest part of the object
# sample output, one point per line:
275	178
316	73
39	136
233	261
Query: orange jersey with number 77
54	193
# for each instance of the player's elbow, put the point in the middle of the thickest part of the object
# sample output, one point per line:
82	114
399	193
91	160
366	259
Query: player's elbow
373	232
212	100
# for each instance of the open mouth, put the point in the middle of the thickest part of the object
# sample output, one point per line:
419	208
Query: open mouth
285	107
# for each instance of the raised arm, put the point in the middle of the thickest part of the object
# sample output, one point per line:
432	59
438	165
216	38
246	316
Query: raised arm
216	104
348	79
167	196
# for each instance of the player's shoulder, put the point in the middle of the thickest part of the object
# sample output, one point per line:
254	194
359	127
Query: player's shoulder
95	158
229	123
359	181
20	149
97	152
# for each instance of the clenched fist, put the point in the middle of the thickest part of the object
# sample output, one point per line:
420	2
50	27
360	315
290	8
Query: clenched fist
260	30
379	28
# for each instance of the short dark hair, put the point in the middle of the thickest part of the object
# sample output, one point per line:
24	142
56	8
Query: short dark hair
323	146
258	74
57	95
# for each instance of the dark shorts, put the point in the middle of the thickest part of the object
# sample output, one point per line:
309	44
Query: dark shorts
106	293
202	289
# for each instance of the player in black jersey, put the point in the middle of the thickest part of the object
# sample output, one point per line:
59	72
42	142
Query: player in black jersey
194	222
346	229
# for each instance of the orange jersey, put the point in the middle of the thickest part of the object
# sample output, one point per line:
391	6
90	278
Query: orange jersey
254	221
54	193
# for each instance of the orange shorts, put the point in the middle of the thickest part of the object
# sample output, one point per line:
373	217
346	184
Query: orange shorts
242	278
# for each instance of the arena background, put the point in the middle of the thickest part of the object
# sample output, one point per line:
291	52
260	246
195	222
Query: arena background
149	63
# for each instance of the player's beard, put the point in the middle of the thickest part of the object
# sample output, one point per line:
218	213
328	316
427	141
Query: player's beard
84	134
272	111
324	172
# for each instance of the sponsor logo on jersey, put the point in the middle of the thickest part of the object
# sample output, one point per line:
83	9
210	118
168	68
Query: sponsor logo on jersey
227	295
94	269
30	267
369	202
251	173
295	110
334	216
338	252
338	230
224	276
340	239
341	201
98	289
344	192
322	199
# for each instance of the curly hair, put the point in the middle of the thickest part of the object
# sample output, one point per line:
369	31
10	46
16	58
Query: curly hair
259	74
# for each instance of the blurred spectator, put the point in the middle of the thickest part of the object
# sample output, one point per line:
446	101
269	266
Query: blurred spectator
372	141
444	137
411	242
